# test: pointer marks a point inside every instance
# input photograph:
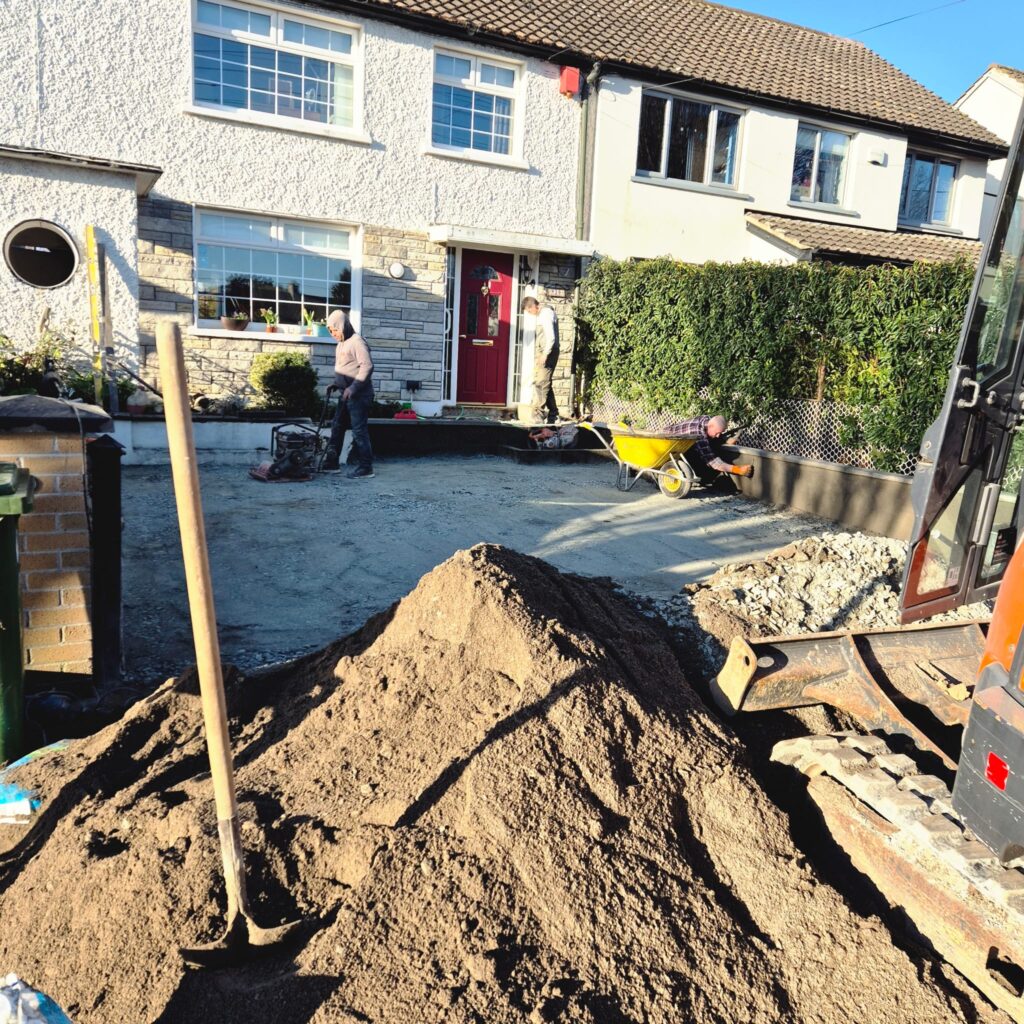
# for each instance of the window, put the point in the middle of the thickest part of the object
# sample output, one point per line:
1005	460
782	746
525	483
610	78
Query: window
272	63
687	140
819	166
927	189
245	264
40	254
474	103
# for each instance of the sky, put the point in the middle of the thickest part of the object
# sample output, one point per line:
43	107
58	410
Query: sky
945	49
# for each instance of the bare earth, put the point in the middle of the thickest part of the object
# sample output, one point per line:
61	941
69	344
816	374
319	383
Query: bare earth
500	801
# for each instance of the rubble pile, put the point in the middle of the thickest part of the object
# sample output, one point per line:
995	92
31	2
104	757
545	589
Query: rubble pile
500	801
829	582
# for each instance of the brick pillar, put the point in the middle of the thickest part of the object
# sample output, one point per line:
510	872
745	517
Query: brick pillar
54	552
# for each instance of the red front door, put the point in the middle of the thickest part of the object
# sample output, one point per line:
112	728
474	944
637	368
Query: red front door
485	322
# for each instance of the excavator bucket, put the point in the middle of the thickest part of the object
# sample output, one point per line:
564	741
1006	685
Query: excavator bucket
914	681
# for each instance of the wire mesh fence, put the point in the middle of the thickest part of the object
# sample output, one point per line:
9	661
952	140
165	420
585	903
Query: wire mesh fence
809	430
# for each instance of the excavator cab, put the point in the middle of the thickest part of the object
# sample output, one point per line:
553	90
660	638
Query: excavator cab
969	520
966	491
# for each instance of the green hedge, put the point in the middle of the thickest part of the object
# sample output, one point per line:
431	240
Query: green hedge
879	339
285	381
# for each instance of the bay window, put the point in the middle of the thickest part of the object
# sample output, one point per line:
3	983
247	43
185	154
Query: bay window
927	189
248	263
268	62
819	165
686	140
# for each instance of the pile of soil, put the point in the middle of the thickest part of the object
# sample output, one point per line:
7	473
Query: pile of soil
500	801
829	582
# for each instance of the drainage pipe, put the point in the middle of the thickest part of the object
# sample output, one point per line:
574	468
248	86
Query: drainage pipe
586	146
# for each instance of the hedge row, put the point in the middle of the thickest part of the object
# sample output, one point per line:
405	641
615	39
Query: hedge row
751	335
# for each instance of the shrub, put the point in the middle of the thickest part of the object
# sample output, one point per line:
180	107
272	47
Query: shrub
80	384
21	368
285	381
741	338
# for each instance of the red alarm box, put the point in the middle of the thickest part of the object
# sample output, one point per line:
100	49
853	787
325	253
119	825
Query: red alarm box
569	82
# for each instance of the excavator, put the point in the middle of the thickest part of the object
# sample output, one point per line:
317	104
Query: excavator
925	790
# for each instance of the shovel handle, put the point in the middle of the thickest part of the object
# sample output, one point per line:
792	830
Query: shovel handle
181	444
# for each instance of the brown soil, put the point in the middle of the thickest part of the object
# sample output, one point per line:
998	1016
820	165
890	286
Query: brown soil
499	802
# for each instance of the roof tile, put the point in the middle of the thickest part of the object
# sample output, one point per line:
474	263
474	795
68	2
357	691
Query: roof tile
898	246
707	43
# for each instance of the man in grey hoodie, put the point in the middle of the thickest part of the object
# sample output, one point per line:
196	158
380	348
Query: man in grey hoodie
352	377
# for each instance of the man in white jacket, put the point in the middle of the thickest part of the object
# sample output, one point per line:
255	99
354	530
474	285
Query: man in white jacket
545	359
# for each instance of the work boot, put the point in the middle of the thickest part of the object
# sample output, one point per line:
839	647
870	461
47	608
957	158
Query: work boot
361	473
330	463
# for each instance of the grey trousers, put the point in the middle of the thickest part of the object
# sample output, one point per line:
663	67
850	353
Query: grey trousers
545	408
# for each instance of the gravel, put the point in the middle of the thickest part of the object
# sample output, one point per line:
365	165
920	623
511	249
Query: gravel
832	581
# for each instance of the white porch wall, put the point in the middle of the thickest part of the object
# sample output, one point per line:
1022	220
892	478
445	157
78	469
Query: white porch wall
994	101
111	79
71	198
639	219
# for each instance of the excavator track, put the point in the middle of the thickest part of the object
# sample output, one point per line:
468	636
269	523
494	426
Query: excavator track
898	826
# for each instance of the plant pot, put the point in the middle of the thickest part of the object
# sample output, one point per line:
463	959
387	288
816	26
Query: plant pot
233	323
270	328
320	331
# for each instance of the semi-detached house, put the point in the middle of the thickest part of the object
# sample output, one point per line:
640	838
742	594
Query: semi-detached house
426	163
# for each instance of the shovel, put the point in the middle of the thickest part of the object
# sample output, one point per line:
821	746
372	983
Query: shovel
243	935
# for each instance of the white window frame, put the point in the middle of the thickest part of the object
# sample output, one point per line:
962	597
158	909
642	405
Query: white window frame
278	222
938	158
516	94
662	174
276	41
844	187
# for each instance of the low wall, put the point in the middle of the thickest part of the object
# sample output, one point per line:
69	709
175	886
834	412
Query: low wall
859	499
237	442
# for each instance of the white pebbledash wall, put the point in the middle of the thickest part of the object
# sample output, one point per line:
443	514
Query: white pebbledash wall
71	198
644	219
114	80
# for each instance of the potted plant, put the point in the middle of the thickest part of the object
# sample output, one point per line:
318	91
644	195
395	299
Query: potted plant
235	322
309	320
270	319
320	329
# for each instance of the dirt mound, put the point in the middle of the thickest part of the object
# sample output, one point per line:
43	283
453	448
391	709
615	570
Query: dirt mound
833	581
500	801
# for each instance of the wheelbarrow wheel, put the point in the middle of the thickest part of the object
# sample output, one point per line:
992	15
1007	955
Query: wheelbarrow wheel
675	479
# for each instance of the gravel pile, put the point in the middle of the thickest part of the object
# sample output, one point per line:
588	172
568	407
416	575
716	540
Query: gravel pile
828	582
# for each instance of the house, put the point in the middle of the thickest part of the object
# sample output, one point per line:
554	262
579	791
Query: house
763	140
288	156
424	164
995	101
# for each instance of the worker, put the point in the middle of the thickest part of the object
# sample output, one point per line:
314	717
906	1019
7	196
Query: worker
703	428
545	359
352	378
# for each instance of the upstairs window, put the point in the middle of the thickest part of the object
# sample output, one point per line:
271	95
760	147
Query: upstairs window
927	189
272	63
819	166
245	264
473	104
686	140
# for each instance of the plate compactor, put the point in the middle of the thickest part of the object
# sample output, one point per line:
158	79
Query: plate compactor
297	450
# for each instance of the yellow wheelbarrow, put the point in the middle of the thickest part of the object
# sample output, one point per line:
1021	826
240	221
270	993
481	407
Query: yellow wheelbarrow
660	457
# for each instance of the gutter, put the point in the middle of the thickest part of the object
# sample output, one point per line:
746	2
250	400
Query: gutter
585	162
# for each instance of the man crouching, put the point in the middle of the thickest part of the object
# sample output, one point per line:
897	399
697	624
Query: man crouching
352	369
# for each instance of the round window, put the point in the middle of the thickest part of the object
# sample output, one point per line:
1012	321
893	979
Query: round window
40	254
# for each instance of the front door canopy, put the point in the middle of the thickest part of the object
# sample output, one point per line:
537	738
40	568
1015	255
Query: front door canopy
966	491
